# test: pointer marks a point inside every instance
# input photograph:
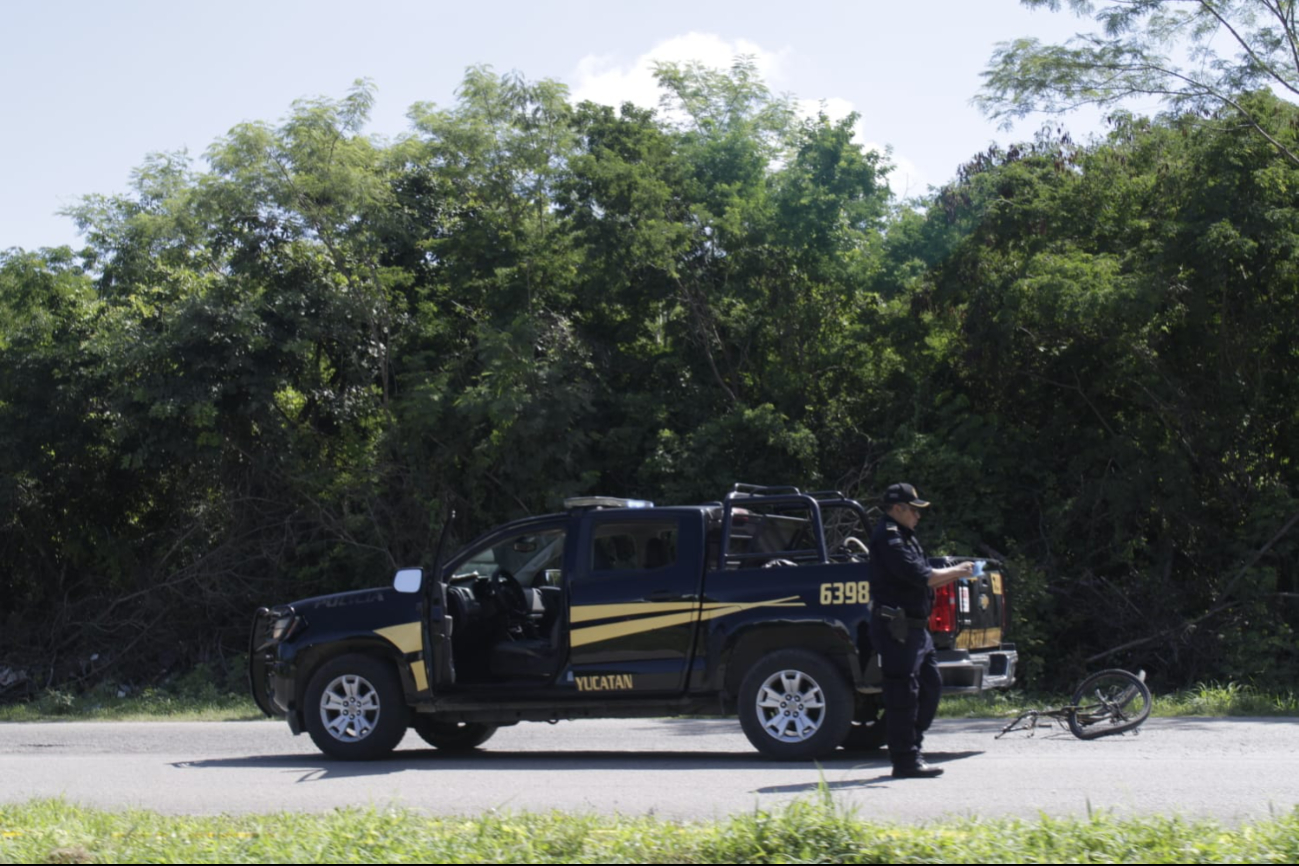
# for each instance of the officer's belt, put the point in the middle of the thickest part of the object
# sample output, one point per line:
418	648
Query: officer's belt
896	612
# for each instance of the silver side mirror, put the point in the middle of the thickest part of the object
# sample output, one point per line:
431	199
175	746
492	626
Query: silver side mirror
408	580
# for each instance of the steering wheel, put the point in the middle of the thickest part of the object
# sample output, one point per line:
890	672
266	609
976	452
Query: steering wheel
509	595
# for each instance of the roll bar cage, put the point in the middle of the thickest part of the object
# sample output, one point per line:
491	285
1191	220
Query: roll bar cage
760	495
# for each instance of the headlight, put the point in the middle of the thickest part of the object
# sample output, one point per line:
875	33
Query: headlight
285	625
281	627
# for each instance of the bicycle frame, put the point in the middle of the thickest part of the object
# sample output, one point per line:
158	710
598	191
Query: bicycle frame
1106	703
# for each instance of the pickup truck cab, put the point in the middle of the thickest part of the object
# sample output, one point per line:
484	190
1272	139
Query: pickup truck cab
757	605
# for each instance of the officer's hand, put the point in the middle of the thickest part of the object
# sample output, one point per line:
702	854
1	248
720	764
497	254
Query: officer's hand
967	569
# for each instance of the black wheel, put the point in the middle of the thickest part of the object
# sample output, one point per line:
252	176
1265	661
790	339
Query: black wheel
452	736
795	704
1109	702
869	732
355	709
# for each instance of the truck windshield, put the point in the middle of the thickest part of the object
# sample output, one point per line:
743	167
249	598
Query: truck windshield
534	558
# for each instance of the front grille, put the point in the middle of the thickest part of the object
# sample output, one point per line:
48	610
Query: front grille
260	658
263	624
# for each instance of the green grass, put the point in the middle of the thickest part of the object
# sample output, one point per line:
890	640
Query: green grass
205	694
1205	699
809	831
1230	699
208	704
149	706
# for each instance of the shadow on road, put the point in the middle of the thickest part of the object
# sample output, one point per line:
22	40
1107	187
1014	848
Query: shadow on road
317	767
881	760
844	785
695	727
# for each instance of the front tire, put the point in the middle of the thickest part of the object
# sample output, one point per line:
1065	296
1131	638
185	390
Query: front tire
795	705
355	709
452	736
1109	702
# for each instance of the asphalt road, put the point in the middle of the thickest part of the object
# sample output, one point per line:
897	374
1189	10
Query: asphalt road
1230	769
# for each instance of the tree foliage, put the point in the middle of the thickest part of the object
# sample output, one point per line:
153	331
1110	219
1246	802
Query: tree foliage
1200	56
279	373
1115	327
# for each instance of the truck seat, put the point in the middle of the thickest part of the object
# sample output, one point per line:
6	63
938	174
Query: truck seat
527	658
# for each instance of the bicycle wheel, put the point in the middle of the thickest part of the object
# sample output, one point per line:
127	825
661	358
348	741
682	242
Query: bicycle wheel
1109	702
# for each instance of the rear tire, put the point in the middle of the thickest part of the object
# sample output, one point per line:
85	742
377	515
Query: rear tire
1109	702
355	709
452	736
795	705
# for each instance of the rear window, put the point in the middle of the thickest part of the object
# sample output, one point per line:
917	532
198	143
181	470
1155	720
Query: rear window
641	545
762	533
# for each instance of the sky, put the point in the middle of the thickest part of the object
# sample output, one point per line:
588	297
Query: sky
95	87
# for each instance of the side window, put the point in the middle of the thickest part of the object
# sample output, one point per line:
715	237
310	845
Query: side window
761	533
759	537
534	558
641	545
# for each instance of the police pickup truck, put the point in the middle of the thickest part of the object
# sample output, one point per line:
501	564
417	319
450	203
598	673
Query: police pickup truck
757	605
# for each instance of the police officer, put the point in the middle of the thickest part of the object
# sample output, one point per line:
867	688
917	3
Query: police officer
902	595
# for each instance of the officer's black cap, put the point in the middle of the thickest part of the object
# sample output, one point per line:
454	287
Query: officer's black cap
903	493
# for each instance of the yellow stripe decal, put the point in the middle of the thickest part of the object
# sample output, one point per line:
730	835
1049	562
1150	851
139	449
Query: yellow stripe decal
717	609
712	610
587	612
421	678
408	638
597	633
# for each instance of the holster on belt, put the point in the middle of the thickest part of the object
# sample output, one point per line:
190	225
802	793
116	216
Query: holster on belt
899	622
896	618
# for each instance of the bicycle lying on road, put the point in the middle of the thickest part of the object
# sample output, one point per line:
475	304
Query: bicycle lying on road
1106	703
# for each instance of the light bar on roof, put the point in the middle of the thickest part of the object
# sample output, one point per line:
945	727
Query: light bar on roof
606	502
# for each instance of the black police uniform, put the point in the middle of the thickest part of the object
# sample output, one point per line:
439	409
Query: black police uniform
912	684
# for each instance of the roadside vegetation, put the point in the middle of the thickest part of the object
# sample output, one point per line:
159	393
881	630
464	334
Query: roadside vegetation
195	698
1204	699
207	693
151	705
817	831
279	369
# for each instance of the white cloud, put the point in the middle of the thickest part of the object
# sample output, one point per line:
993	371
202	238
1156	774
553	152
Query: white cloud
604	79
834	108
906	179
608	80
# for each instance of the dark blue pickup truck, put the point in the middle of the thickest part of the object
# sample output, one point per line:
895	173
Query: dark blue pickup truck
757	605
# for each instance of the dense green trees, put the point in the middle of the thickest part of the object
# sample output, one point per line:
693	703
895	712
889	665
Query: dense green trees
1116	327
277	375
